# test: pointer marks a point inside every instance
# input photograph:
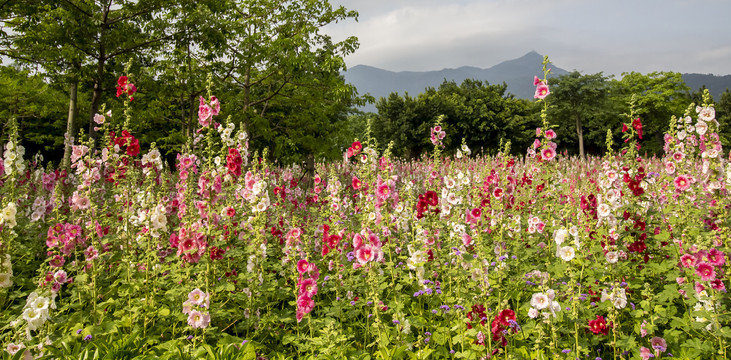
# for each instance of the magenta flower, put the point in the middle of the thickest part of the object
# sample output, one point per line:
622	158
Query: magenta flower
682	183
716	258
302	266
705	271
548	154
688	261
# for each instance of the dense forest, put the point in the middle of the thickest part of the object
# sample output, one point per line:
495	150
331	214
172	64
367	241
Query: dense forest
279	76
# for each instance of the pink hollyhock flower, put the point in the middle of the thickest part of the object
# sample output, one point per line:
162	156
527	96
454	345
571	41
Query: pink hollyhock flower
688	260
716	258
699	287
659	344
306	304
197	297
541	91
383	191
682	183
60	276
364	254
645	353
705	271
356	183
308	288
302	266
550	134
536	80
718	285
548	154
215	105
204	115
476	212
198	320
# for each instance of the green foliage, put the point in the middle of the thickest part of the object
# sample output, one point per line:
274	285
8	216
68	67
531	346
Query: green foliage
581	105
479	112
659	95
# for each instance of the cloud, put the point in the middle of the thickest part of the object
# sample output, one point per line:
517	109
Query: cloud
587	35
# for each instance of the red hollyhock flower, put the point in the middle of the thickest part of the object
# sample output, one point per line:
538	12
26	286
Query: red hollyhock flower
637	125
598	326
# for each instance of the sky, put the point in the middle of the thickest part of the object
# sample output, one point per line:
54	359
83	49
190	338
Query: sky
609	36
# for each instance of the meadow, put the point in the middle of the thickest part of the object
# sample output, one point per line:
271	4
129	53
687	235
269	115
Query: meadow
228	255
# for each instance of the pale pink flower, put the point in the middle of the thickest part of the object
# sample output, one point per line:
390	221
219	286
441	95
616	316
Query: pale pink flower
197	297
198	320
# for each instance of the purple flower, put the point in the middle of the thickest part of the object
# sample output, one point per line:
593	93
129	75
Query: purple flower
396	322
87	337
78	332
566	351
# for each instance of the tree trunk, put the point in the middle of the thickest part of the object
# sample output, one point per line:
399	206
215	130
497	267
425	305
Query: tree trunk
73	107
97	95
580	134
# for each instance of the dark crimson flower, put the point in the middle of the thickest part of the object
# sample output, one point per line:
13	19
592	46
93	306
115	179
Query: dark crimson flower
598	326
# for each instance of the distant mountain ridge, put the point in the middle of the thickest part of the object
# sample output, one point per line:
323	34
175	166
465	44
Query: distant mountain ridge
517	74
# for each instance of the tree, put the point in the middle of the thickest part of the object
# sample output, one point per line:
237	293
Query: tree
481	113
37	107
723	115
282	65
659	96
577	99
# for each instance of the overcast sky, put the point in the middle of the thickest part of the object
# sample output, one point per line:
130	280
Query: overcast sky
612	36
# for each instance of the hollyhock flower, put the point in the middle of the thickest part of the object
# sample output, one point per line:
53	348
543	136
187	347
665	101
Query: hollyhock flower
476	212
302	266
598	326
541	91
612	257
637	125
498	193
645	353
682	183
356	183
560	235
688	261
718	285
706	113
701	128
716	258
357	147
14	348
204	114
198	320
705	271
540	301
308	288
548	154
306	304
550	134
364	254
566	253
215	106
659	344
197	297
603	210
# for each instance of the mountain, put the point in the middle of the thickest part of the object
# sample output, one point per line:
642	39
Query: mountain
517	73
715	84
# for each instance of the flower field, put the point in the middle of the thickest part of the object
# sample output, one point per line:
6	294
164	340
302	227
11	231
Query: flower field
230	256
